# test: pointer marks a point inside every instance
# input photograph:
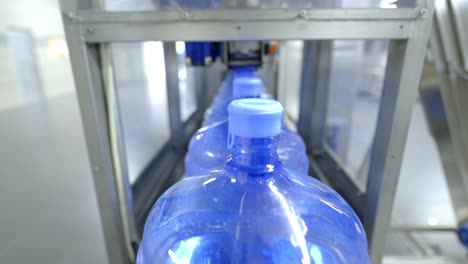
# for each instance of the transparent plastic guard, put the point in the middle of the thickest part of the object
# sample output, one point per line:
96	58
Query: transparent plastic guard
140	81
174	5
187	83
353	103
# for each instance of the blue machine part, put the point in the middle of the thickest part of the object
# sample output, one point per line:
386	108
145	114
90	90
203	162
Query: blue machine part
199	53
202	53
463	234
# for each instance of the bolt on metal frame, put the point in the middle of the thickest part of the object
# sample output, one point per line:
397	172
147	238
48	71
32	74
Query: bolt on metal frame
406	28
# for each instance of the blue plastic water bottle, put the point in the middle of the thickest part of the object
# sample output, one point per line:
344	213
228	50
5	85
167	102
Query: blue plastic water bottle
207	149
246	87
253	210
218	110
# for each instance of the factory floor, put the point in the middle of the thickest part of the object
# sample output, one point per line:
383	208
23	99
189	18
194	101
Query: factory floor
49	212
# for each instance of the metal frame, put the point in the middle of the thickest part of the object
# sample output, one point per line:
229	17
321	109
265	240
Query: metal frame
117	149
408	28
98	26
374	203
451	133
459	8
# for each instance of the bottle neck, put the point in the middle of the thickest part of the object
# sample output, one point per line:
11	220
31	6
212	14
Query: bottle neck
254	155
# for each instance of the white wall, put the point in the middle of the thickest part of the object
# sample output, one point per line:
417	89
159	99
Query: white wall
43	20
42	17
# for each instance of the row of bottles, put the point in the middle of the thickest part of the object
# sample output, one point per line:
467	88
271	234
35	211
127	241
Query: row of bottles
247	197
208	149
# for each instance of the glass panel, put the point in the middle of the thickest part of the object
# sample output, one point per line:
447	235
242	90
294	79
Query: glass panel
140	5
357	73
289	76
187	84
140	80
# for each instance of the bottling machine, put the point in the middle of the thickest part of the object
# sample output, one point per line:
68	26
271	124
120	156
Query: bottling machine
141	57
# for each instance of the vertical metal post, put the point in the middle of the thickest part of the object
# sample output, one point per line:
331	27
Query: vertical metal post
314	92
119	157
404	67
112	195
173	96
87	74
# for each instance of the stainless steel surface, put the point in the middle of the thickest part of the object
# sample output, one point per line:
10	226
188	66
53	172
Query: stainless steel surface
448	36
421	170
243	25
399	93
89	85
404	67
146	186
330	14
93	111
460	10
119	156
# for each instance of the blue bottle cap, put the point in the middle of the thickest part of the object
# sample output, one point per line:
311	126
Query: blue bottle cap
247	87
255	118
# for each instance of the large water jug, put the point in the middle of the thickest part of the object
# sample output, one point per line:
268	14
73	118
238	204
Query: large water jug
218	110
208	147
253	210
246	87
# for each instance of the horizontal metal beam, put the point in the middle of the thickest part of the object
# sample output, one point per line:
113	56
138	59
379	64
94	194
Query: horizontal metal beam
221	25
95	16
260	30
420	260
420	228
